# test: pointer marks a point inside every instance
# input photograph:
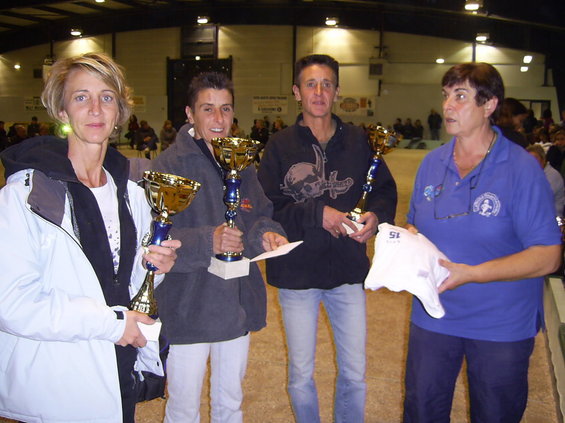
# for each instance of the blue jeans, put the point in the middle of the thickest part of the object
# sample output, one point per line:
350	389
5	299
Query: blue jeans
345	306
497	374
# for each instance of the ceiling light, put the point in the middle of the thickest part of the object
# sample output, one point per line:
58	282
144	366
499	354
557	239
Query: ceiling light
202	20
99	1
17	66
196	57
332	21
440	60
523	69
482	37
75	32
473	5
528	58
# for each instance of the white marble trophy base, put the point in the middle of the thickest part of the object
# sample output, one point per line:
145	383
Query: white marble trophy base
358	225
229	269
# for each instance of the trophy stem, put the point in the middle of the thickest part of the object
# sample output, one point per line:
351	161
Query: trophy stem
232	183
144	300
359	209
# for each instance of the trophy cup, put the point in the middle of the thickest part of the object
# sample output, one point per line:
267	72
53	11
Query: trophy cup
167	195
380	142
233	155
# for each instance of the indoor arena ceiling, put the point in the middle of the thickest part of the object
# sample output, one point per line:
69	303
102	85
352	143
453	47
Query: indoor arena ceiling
535	25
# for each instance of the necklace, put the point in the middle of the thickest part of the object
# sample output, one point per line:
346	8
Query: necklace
468	169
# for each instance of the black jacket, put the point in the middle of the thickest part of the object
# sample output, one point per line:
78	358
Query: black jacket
300	179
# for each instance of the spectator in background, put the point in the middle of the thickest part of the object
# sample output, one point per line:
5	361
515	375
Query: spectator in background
553	177
19	136
418	130
267	123
259	132
556	152
33	128
547	119
44	129
4	141
133	126
408	129
12	130
512	115
145	139
529	124
236	130
278	125
167	135
434	123
540	136
417	134
398	127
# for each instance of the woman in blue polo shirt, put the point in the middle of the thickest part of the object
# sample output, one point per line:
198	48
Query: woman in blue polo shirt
486	204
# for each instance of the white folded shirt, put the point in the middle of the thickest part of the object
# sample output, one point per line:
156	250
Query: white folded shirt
404	261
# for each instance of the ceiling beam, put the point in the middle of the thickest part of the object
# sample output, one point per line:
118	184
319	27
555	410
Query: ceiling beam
92	6
12	4
25	16
56	11
10	26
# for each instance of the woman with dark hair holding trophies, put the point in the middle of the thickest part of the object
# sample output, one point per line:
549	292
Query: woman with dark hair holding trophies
488	207
72	227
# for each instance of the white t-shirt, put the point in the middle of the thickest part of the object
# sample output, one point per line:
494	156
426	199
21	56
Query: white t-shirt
107	199
404	261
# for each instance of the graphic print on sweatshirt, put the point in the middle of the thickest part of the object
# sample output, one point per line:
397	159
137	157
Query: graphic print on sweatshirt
308	180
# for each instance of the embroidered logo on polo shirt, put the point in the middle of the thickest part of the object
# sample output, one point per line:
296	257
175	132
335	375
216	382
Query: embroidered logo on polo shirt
430	191
487	205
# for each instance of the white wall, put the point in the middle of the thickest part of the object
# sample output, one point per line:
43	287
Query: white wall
263	62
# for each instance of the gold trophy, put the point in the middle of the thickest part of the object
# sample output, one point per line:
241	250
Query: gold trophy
233	155
167	195
381	141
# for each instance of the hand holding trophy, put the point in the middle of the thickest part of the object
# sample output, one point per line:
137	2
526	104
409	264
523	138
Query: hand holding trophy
233	155
381	141
167	194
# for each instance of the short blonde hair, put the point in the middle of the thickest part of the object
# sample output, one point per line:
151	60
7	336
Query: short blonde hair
97	64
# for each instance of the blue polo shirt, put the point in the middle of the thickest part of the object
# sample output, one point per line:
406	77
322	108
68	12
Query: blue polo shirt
503	206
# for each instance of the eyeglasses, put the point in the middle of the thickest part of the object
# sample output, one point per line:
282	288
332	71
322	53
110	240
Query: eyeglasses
472	185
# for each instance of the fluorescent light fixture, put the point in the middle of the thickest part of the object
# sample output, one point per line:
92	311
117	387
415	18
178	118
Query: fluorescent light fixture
528	58
473	5
440	60
523	69
332	21
482	37
99	1
17	66
202	20
76	32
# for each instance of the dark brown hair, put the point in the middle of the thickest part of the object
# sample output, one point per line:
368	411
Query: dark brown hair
483	77
316	59
205	80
